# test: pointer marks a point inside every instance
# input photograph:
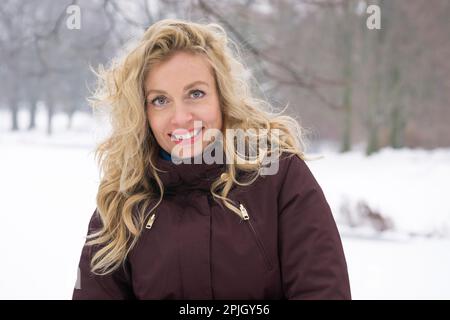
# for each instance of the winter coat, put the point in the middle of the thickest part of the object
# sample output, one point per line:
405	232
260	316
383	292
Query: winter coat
285	246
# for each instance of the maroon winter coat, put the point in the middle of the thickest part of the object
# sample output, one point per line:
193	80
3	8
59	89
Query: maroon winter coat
287	247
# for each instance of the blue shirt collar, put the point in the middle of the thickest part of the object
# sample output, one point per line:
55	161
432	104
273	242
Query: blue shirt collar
164	154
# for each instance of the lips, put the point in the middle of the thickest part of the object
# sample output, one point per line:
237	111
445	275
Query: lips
185	136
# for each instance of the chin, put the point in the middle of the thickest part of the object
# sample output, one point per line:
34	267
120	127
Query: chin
187	152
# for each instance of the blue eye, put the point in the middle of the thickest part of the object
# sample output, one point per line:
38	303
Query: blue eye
161	99
197	91
158	98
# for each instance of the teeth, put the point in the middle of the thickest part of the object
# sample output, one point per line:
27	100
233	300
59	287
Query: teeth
187	135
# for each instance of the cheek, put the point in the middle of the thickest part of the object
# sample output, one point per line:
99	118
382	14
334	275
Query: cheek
219	118
156	123
213	117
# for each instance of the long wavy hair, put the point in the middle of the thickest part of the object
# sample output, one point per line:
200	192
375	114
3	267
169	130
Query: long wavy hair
127	156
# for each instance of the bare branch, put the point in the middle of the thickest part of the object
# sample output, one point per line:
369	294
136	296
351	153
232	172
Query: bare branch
297	80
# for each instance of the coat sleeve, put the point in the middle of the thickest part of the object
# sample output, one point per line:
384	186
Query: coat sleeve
113	286
312	259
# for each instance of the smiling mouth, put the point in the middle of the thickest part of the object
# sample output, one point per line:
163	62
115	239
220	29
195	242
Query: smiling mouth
186	138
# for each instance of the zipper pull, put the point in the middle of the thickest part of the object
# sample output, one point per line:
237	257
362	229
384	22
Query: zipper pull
150	221
244	212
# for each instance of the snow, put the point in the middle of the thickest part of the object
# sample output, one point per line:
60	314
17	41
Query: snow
414	269
49	184
408	186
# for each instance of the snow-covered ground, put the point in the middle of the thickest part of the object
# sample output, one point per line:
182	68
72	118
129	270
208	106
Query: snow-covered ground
406	269
408	187
48	188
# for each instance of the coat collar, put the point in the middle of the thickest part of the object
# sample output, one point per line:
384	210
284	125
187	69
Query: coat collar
187	176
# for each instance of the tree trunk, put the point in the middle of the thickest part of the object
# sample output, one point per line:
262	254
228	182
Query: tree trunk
70	114
372	120
398	124
50	112
14	107
346	142
347	74
33	108
397	115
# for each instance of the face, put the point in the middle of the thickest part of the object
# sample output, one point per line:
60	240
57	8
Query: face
179	92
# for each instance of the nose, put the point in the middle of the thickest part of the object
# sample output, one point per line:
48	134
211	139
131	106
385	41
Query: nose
181	117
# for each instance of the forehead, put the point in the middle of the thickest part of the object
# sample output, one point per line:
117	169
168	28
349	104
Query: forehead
180	69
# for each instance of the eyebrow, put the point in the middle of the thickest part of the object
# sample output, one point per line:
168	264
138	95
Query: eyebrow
184	89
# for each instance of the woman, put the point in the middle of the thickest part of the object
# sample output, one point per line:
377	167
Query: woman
251	224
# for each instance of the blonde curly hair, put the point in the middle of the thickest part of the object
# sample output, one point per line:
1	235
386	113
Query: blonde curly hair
125	193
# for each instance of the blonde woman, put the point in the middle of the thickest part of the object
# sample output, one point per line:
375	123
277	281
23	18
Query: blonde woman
172	224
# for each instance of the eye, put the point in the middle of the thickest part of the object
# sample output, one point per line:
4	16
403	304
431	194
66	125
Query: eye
196	92
161	99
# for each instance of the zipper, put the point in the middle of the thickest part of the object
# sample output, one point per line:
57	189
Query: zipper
244	212
150	221
246	217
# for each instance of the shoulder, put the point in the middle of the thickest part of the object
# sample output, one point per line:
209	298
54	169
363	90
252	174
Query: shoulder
292	161
95	223
290	166
286	170
294	175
